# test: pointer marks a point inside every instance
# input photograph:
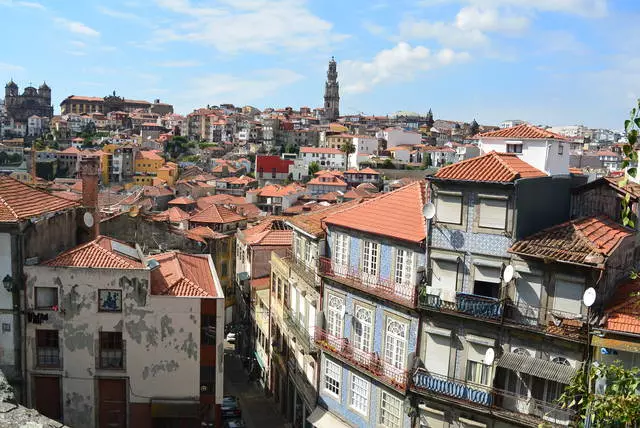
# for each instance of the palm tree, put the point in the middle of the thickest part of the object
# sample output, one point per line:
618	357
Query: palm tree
348	148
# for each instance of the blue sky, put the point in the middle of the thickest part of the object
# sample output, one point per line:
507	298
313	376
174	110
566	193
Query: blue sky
555	62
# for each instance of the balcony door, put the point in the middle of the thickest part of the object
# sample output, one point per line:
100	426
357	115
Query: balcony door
370	262
341	254
395	343
335	314
362	328
528	289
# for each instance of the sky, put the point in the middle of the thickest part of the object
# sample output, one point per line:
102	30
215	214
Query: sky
551	62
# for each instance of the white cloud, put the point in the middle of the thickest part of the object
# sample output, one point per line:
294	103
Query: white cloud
28	4
220	88
10	67
448	35
373	28
248	25
400	63
76	27
76	53
179	64
78	43
585	8
475	18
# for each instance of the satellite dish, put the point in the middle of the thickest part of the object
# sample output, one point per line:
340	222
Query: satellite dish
589	297
507	273
88	219
429	211
489	356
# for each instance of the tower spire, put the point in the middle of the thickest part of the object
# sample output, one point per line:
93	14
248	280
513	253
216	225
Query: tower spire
332	93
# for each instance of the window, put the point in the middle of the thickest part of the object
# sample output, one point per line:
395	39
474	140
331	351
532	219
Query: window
46	297
223	269
47	348
335	314
111	350
359	394
390	410
449	208
332	378
493	213
362	328
477	371
341	250
110	300
514	148
560	148
403	266
208	330
370	258
568	296
395	343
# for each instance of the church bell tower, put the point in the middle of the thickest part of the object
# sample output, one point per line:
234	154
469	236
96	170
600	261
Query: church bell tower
331	93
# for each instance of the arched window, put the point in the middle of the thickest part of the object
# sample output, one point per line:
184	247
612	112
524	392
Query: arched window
561	360
520	351
362	328
395	343
335	314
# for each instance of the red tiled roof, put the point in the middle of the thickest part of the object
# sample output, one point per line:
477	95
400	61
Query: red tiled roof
588	240
173	215
275	190
157	191
99	253
19	201
203	232
183	275
148	155
525	131
216	214
329	197
70	196
220	199
492	167
71	150
182	200
271	231
260	283
334	181
623	311
268	163
396	214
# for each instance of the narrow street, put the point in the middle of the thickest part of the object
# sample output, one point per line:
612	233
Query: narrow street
258	411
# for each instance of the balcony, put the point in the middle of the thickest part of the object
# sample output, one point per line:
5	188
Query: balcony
302	334
403	294
301	269
499	403
469	304
301	381
368	362
541	319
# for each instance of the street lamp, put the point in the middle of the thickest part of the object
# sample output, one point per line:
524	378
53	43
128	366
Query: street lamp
8	283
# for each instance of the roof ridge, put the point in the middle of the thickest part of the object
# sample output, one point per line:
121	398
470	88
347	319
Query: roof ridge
498	156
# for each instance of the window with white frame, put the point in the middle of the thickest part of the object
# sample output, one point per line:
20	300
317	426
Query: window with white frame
449	208
341	249
370	258
359	399
362	328
514	148
395	343
477	371
493	213
404	266
332	378
390	410
335	314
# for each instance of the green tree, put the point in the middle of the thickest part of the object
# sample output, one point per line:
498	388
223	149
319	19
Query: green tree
348	148
619	405
388	164
313	168
630	161
429	121
426	160
474	128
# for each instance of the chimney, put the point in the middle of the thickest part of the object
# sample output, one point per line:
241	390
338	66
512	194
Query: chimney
89	173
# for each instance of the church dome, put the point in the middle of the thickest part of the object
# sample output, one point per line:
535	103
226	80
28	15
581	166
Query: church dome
30	91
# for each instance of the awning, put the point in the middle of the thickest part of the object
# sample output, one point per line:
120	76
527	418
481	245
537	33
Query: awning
322	418
259	358
536	367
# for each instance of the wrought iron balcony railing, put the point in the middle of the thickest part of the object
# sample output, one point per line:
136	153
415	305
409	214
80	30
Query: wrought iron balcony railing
469	304
369	362
308	273
302	334
401	293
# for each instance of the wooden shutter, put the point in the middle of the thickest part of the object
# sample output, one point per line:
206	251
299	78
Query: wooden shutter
449	208
493	213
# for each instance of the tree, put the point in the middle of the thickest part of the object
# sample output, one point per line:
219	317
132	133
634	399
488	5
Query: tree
426	160
630	162
618	405
388	164
429	121
313	168
474	127
348	148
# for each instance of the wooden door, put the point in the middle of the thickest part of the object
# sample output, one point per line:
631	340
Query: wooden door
112	405
47	396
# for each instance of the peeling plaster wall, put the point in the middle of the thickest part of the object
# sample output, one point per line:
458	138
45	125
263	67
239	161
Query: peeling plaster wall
161	334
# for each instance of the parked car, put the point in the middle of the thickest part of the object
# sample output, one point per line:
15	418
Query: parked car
230	407
231	338
235	423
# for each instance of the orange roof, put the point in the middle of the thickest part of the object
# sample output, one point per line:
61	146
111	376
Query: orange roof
492	167
525	131
149	155
157	191
203	232
216	214
577	171
396	214
588	240
623	311
220	199
173	215
102	252
71	150
333	181
184	275
182	200
260	283
275	190
19	201
271	231
70	196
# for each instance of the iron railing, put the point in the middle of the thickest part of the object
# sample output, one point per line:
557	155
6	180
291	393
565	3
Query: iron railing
302	334
301	268
470	304
401	293
369	362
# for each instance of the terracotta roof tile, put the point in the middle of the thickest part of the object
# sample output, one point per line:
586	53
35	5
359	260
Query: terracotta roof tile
184	275
271	231
326	180
623	311
588	240
182	200
173	215
203	232
155	191
260	283
525	131
19	201
149	155
396	214
216	214
220	199
102	252
491	167
275	190
312	222
70	196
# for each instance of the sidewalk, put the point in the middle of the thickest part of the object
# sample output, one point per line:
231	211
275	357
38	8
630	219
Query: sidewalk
258	411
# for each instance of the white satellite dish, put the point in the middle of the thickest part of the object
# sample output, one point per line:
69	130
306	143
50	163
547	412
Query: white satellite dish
489	356
589	297
88	219
429	211
507	274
